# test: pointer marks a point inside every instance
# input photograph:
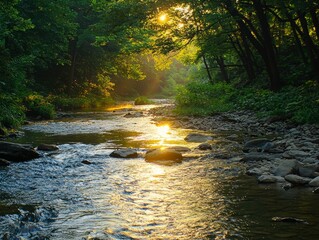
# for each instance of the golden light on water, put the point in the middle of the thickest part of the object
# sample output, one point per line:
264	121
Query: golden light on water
119	107
163	130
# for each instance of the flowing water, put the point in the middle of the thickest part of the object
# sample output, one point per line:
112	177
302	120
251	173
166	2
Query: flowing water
59	197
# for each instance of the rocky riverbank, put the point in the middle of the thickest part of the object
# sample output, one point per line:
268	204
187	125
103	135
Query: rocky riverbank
273	150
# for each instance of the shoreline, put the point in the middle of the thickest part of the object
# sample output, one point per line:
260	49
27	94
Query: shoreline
275	152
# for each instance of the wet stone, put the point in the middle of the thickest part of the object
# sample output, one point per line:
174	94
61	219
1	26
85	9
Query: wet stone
314	182
47	147
4	163
270	179
163	155
285	167
124	153
205	146
297	180
197	137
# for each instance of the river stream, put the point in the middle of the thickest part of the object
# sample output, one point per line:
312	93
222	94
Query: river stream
58	197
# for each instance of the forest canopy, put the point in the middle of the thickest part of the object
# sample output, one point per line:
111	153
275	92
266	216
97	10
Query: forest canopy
103	48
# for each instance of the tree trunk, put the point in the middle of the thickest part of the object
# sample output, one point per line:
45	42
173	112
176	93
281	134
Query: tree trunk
263	43
245	57
311	47
268	51
221	63
73	48
207	69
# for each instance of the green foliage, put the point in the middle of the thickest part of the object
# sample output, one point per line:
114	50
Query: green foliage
203	98
67	103
37	106
12	112
142	100
299	103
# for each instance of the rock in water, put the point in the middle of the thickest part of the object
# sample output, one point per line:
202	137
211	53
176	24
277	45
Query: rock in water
4	163
261	143
87	162
15	152
47	147
163	155
314	182
124	153
286	167
270	179
288	220
205	146
297	180
197	137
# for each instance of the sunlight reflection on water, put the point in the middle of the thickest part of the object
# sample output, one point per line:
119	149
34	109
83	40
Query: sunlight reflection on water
132	199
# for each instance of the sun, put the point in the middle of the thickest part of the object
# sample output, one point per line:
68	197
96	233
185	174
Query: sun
163	18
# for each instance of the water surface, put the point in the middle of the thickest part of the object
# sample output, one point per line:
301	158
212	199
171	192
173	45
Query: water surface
59	197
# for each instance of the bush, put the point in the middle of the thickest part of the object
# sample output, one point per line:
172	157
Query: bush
300	104
12	113
67	103
142	100
36	105
203	98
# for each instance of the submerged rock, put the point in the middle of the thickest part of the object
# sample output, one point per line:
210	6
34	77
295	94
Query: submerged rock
197	137
163	155
15	152
47	147
288	220
205	146
124	153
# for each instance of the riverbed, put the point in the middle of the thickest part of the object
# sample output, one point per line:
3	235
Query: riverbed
59	197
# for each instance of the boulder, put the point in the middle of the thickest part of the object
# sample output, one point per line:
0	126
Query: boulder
47	147
197	137
204	146
314	182
270	179
297	180
307	170
163	155
257	171
253	157
124	153
4	163
295	154
262	144
15	152
285	167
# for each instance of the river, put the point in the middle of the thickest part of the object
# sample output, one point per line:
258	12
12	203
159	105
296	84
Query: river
58	197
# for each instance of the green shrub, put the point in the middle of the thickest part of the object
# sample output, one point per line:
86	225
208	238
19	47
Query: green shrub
142	100
12	113
67	103
203	98
36	105
300	104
